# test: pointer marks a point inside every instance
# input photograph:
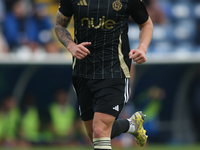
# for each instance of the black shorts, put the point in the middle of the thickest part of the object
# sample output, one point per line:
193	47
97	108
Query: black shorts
107	96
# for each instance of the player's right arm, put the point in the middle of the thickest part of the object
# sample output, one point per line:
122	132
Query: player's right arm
78	51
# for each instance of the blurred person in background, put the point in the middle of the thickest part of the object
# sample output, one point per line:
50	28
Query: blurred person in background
62	115
9	118
28	30
51	8
30	122
3	44
15	26
40	29
150	101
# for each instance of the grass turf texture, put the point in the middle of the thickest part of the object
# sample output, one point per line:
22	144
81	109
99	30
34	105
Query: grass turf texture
149	147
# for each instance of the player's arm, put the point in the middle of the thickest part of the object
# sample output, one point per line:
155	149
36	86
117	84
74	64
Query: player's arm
79	51
61	30
146	32
141	17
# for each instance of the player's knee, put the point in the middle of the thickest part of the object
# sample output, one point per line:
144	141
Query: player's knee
98	132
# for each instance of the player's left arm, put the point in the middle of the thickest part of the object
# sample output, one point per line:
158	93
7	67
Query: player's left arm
146	32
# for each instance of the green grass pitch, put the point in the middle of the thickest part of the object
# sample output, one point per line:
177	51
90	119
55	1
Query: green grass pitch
149	147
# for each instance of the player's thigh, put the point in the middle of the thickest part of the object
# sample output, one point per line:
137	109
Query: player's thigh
85	98
110	95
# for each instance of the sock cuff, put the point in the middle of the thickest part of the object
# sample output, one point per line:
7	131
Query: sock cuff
102	143
102	138
131	126
129	120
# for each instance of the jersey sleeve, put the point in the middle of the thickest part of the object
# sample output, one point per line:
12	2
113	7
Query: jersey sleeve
66	8
137	11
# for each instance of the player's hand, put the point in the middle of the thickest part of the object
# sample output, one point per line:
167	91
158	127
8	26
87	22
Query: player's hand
80	51
138	56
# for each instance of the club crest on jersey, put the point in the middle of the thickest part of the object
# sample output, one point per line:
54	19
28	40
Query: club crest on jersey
117	5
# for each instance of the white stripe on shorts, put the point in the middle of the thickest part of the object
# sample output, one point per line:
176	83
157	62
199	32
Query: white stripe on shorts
126	90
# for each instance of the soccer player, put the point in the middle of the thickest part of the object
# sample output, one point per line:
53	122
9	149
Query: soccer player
101	63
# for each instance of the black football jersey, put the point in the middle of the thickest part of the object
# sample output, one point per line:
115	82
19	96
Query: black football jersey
104	24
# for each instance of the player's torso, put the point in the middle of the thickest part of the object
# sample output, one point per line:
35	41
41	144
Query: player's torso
104	24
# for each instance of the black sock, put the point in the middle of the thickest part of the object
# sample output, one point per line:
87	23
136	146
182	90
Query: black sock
119	126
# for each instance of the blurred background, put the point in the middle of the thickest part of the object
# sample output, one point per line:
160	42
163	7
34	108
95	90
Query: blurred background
38	107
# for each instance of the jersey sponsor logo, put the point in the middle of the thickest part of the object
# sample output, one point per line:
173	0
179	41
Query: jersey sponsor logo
117	5
82	3
103	24
116	108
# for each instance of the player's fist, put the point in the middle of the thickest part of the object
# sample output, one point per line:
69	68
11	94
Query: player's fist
137	55
80	51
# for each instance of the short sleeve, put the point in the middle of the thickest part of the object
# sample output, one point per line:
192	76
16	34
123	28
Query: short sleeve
137	11
66	8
